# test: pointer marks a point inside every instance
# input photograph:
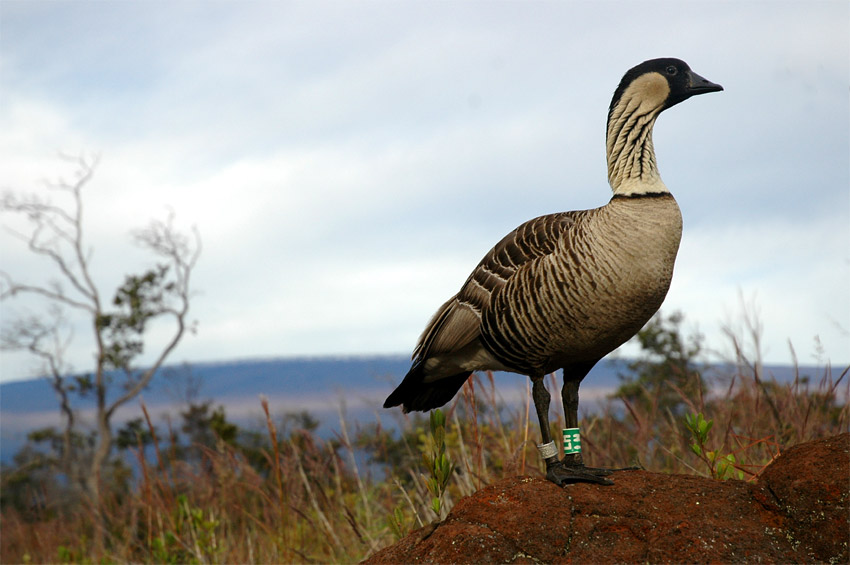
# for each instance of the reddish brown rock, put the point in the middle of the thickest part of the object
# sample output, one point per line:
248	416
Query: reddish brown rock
798	512
811	484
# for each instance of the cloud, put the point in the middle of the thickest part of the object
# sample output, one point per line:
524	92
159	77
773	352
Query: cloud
348	167
792	276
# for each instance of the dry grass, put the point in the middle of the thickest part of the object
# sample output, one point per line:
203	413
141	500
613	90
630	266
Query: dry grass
312	502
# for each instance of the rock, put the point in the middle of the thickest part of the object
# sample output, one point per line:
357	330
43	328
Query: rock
797	512
810	483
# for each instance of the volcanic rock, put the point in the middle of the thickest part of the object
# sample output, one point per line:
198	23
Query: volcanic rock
796	512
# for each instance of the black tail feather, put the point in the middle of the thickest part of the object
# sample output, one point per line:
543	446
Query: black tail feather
414	394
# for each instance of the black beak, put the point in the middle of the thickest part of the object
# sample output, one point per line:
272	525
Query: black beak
699	85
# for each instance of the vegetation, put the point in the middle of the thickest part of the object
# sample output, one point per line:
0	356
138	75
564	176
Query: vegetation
720	466
208	491
437	464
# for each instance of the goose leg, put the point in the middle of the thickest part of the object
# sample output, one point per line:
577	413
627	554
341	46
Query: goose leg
556	470
569	395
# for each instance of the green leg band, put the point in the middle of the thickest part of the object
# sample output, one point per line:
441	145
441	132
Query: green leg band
572	441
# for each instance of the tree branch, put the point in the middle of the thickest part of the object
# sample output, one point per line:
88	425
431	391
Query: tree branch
183	252
11	289
47	234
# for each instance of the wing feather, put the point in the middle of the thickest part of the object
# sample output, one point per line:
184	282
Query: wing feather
457	323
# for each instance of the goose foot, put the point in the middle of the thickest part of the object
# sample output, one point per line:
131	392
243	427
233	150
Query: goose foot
562	473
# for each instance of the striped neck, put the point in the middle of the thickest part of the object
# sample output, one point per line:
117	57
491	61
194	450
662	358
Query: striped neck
631	156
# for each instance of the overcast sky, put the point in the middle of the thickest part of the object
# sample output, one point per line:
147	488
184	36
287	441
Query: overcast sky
348	163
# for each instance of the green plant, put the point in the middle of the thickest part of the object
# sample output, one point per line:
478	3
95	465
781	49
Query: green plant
193	537
719	465
437	463
397	523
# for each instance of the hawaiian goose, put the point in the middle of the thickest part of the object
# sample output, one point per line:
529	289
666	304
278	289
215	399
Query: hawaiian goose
564	290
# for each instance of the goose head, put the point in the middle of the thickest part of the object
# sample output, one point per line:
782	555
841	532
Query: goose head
661	84
644	92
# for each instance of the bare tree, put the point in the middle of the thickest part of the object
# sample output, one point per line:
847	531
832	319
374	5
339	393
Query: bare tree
45	338
118	326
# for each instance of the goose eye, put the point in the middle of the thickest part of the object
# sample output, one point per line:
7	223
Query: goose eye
672	70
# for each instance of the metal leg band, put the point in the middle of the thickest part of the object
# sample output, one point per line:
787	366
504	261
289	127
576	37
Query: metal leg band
547	450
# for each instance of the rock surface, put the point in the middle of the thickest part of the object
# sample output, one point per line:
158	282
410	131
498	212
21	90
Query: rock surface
797	512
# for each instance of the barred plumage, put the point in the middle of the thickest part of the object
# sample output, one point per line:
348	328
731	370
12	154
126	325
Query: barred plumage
563	290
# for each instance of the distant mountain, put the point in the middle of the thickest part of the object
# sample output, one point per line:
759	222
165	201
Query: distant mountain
320	385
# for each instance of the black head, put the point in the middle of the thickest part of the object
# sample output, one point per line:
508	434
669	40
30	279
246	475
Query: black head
682	82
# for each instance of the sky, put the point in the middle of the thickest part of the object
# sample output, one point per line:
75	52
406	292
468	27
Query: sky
347	164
